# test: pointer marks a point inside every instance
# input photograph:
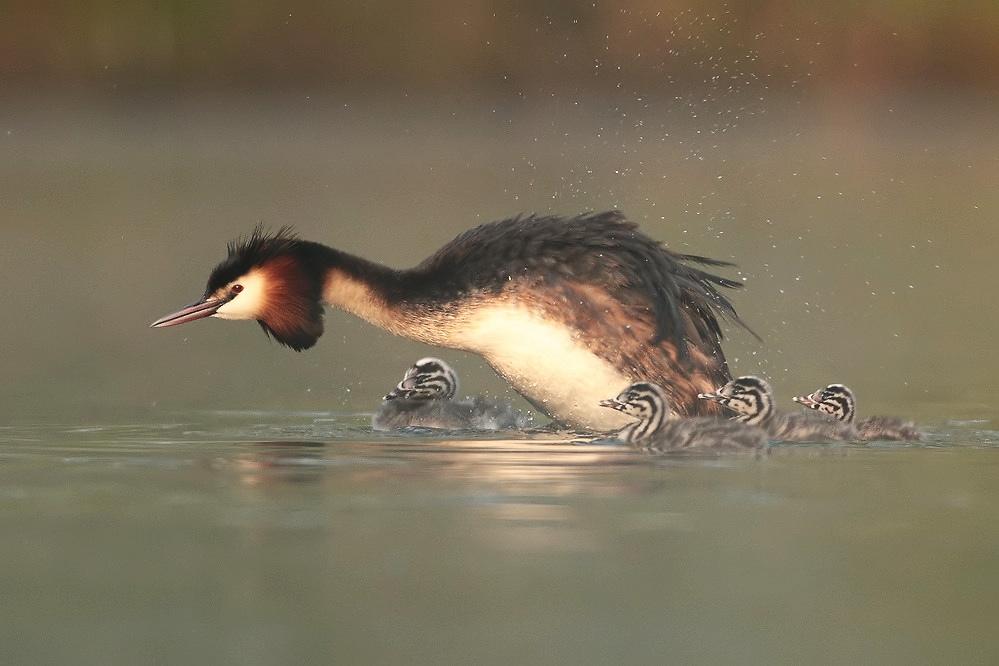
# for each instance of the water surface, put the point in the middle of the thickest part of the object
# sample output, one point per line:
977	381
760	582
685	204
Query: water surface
276	538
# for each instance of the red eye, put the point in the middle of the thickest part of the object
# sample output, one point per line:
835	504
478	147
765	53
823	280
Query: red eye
236	288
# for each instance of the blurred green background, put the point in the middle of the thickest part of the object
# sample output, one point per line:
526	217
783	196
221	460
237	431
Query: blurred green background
508	47
844	155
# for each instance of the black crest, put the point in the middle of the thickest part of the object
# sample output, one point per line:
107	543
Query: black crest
247	253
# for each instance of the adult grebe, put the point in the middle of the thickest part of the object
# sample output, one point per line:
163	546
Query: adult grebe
752	400
655	431
560	308
425	399
839	401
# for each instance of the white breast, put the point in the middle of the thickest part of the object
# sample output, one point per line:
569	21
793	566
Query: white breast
543	361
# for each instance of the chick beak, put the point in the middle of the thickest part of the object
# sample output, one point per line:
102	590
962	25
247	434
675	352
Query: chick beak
807	401
613	403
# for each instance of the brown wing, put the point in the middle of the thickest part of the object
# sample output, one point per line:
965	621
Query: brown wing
625	335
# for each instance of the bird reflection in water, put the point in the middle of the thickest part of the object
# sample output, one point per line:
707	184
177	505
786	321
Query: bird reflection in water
267	463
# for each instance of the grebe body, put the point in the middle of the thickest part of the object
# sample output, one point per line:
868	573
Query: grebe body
425	398
752	401
560	308
839	401
654	430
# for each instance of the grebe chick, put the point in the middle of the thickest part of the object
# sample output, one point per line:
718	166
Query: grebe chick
560	307
838	400
425	399
752	400
656	431
427	379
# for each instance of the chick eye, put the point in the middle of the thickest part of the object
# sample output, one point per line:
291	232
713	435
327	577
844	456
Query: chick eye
236	288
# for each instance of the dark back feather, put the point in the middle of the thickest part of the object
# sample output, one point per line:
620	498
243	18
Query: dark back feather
601	248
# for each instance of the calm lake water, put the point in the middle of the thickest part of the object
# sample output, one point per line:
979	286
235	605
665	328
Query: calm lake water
199	494
275	538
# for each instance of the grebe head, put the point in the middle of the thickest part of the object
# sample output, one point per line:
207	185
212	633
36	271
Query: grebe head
644	401
428	379
751	398
835	399
269	278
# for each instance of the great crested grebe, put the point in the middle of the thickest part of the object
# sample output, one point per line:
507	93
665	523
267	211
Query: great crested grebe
656	431
752	400
839	401
425	399
561	308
